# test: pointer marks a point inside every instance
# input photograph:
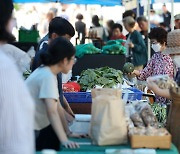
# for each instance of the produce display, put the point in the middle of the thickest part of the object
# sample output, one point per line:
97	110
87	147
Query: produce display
83	49
105	77
149	131
140	117
114	47
160	113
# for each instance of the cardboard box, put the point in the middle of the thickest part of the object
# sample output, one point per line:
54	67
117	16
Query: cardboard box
143	141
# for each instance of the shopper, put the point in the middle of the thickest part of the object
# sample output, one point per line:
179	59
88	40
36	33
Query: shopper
143	24
135	43
173	49
21	59
16	105
57	27
177	21
42	83
80	27
117	32
132	14
109	25
99	29
160	63
166	17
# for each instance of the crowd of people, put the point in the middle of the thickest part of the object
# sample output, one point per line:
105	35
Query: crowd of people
34	114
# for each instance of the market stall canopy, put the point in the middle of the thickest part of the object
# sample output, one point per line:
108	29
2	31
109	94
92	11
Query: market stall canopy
164	1
31	1
100	2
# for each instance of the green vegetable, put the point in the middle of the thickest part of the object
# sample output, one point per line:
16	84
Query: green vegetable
105	76
83	49
128	67
114	47
160	112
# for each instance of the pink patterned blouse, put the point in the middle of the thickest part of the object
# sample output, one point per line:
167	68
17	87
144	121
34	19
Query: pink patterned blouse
159	64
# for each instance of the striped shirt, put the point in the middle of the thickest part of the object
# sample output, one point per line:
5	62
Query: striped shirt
16	111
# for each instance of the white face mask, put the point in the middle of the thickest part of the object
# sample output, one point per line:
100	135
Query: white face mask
176	60
156	47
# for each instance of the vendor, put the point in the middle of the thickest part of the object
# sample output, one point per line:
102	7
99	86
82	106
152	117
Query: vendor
117	32
160	63
135	44
173	49
50	123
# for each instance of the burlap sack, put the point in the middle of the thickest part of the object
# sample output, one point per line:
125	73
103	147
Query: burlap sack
173	123
108	124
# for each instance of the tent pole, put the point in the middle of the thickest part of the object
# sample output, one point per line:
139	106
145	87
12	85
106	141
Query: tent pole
172	15
149	44
137	9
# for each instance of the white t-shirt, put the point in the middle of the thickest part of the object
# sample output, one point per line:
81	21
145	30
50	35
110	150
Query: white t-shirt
16	111
21	58
42	83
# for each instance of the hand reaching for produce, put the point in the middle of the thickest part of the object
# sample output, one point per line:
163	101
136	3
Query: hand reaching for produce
152	85
73	135
136	73
70	144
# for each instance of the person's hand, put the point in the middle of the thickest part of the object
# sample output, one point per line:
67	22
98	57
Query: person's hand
70	144
136	73
131	45
74	135
70	118
152	85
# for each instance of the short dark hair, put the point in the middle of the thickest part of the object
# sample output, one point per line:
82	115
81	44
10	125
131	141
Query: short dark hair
117	26
163	24
58	49
79	16
141	18
110	23
95	20
6	8
129	13
61	27
159	34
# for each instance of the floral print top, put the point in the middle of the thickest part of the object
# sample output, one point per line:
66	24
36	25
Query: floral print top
159	64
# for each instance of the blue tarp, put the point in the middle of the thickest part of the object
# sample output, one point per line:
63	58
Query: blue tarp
100	2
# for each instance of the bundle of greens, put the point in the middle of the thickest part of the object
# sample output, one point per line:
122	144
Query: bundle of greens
114	47
160	113
105	77
83	49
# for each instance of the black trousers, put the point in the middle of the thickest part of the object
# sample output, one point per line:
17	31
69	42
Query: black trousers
47	139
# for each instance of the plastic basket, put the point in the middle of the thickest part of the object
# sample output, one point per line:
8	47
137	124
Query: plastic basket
85	97
135	94
78	97
28	36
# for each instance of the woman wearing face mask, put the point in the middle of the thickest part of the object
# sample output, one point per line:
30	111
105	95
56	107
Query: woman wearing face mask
160	63
173	123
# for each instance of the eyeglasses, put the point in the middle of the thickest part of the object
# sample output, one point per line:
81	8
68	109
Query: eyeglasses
154	42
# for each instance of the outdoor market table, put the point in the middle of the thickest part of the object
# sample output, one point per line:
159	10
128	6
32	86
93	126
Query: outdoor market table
86	148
